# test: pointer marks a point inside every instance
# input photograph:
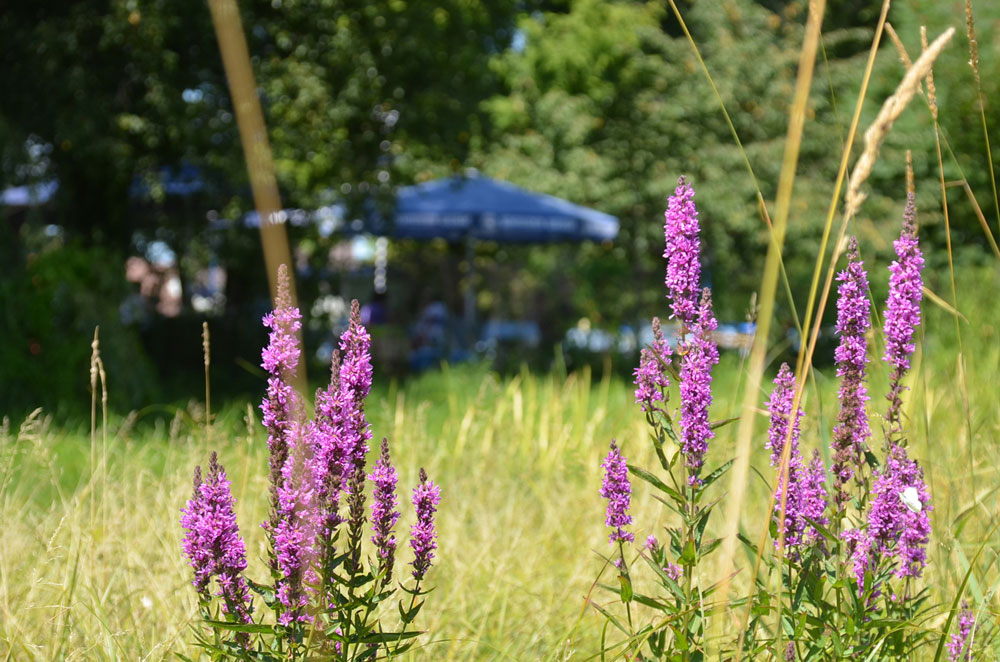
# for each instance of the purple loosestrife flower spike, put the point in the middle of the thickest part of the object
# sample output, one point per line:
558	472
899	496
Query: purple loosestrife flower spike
213	544
811	499
341	438
902	313
196	547
295	531
617	489
281	407
651	379
779	406
426	497
959	646
899	526
355	384
806	495
698	354
384	513
683	254
850	435
327	461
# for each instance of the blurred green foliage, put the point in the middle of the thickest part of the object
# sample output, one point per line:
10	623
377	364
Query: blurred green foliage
606	105
51	307
602	103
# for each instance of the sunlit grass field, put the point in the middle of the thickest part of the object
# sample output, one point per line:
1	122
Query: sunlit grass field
90	562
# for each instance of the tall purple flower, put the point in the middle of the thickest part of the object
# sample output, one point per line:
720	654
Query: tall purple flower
617	489
281	407
683	254
327	460
805	499
810	500
899	526
338	438
651	379
213	544
426	497
295	531
384	513
850	435
699	354
902	313
959	646
779	406
291	527
355	384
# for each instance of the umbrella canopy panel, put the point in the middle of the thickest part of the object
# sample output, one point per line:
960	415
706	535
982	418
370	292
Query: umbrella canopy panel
477	207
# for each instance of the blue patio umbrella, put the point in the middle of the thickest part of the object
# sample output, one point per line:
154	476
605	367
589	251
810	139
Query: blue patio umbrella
474	207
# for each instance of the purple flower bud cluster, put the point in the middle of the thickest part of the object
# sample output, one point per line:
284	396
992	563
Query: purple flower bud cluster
902	312
426	497
281	407
617	489
779	406
311	464
674	571
850	435
213	544
899	526
651	380
683	254
959	646
699	354
327	460
384	513
355	384
805	501
295	533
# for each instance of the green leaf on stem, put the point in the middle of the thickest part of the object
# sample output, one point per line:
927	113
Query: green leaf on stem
639	472
626	587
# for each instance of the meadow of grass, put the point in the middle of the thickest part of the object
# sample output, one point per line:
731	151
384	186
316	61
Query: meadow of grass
90	563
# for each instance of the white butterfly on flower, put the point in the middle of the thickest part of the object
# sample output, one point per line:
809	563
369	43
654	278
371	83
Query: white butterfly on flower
911	499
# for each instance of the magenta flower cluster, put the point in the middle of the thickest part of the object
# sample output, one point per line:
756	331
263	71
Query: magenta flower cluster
959	644
683	254
617	489
384	513
311	465
292	524
213	545
699	355
902	311
898	520
805	499
281	407
850	435
423	537
692	307
355	384
651	380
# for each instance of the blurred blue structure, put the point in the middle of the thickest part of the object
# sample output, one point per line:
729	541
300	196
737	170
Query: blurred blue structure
479	208
473	208
31	195
182	181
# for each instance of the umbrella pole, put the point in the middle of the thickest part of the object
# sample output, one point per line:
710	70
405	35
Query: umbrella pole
469	293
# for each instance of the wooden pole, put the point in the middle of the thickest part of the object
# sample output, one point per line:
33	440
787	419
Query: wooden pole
256	148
